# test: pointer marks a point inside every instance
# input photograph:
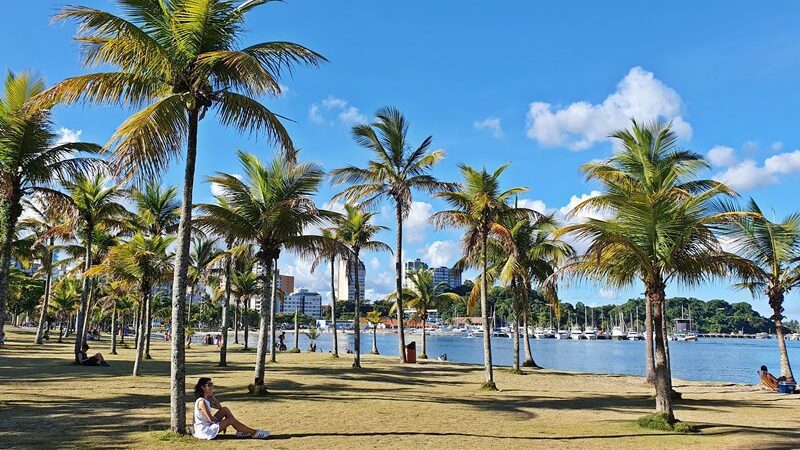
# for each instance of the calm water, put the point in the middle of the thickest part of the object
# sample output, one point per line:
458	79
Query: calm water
708	359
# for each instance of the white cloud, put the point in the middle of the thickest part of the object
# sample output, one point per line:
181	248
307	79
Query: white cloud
608	294
65	135
374	263
442	253
536	205
490	123
777	146
581	124
721	156
216	189
416	224
323	112
748	174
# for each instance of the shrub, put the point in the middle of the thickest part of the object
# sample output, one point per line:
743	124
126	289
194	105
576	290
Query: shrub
660	422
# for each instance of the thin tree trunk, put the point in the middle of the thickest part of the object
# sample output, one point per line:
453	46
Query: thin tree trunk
776	302
516	346
89	306
236	319
665	326
261	352
46	297
424	354
357	321
333	311
114	328
122	331
137	319
177	397
140	336
272	304
529	362
148	324
86	286
11	213
648	341
662	375
375	339
401	338
60	331
245	324
223	350
487	334
296	329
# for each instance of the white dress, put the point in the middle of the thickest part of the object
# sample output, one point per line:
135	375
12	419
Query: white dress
203	429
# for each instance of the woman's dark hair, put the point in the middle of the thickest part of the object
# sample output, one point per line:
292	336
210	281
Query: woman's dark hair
198	388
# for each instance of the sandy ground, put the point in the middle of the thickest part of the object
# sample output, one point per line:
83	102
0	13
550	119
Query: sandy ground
316	401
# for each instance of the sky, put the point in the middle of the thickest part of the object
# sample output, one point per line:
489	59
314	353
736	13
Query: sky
538	85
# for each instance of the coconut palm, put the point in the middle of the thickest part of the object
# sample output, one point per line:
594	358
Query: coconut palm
331	249
356	231
244	286
114	293
312	334
660	230
394	173
31	159
143	261
156	208
91	205
772	254
423	295
480	207
374	318
270	207
178	59
64	301
201	259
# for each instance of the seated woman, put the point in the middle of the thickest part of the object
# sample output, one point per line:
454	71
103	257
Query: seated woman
207	425
768	380
95	360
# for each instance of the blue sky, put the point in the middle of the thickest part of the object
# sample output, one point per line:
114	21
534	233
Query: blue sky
534	84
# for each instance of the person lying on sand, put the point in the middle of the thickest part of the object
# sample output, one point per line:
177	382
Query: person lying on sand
768	380
95	360
206	425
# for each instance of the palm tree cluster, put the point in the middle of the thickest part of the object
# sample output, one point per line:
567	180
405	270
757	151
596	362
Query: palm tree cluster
126	242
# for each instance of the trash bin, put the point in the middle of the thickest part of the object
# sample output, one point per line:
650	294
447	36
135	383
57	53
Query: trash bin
411	353
784	387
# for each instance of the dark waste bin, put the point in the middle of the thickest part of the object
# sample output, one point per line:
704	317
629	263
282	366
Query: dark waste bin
411	353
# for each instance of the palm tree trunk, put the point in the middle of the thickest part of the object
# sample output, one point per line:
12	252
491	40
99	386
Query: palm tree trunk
776	301
46	297
10	214
177	396
245	324
87	264
648	341
122	331
487	334
357	321
223	350
148	323
662	376
114	328
60	330
261	352
140	336
424	354
137	319
272	304
665	326
236	319
375	339
297	329
189	308
89	306
529	362
516	346
401	338
333	311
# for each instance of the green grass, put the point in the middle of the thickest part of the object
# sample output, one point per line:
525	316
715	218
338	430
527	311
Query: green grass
661	422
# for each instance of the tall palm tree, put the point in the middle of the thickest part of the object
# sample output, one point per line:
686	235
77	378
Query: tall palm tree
31	159
114	293
375	318
64	300
480	206
156	208
178	59
331	249
201	259
661	228
91	204
772	266
423	295
394	173
356	231
245	285
143	262
269	208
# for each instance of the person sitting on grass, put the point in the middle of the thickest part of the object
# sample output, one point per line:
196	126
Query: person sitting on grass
206	425
85	360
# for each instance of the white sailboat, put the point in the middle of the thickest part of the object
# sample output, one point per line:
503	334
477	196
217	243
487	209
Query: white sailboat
618	332
589	331
633	332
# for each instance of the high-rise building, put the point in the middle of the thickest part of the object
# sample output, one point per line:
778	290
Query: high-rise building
441	275
283	282
308	303
346	288
415	265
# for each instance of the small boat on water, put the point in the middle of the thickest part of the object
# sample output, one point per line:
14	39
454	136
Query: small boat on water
575	332
683	330
618	334
634	336
763	335
538	333
549	333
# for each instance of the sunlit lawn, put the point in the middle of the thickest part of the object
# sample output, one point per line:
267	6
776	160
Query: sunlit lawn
316	401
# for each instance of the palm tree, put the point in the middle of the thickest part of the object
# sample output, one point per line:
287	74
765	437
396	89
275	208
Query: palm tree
244	285
91	205
394	173
143	262
114	293
312	334
30	160
178	59
156	209
374	317
661	229
423	295
356	231
480	207
203	254
772	266
64	300
331	249
270	208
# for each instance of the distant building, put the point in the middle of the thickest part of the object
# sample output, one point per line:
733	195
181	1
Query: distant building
417	264
285	283
411	315
346	287
446	275
308	303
